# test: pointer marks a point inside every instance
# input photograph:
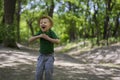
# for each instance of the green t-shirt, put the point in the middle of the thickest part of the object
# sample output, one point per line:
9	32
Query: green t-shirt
47	47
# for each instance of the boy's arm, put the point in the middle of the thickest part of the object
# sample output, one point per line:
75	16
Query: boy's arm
57	41
45	37
33	38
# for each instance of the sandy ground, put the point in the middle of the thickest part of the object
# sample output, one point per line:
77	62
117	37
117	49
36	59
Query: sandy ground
97	64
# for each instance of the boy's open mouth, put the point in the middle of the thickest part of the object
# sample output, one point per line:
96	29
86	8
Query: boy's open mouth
43	27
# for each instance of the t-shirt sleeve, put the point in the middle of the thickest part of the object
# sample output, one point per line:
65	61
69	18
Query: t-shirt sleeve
54	35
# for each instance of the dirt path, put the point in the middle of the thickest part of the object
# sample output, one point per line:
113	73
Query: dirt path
97	64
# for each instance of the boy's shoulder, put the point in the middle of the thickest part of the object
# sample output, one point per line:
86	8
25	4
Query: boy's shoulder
53	34
51	31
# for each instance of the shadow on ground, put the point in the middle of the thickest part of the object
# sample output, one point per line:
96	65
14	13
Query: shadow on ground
20	65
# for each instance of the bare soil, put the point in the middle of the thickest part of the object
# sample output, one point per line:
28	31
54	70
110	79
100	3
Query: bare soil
96	64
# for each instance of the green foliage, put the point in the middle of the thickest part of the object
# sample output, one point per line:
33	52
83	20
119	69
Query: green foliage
112	40
72	18
7	34
24	31
1	10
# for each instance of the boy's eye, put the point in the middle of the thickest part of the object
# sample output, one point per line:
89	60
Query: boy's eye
44	22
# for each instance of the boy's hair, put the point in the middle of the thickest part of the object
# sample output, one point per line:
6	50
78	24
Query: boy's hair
48	17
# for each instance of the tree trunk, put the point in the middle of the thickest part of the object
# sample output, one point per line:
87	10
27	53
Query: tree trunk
29	23
96	24
106	27
18	19
9	10
109	6
72	31
72	27
116	30
51	10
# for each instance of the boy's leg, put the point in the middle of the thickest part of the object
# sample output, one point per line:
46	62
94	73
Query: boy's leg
40	68
49	68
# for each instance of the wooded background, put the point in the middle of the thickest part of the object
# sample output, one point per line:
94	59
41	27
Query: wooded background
74	20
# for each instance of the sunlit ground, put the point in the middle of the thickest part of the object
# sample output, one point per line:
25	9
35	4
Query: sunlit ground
98	64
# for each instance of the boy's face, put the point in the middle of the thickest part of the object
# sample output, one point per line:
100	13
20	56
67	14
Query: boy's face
45	24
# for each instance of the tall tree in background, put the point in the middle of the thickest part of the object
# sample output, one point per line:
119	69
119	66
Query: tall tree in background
116	10
9	10
51	8
117	25
109	7
18	9
96	23
72	30
1	21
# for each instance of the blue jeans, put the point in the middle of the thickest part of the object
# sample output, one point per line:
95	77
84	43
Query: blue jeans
45	64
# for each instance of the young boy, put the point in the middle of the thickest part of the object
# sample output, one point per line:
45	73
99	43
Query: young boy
47	39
